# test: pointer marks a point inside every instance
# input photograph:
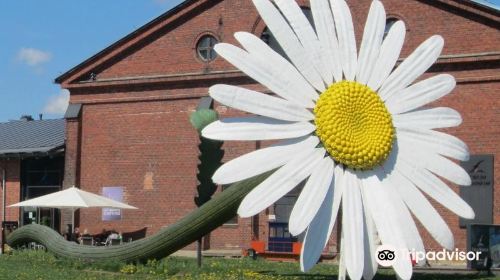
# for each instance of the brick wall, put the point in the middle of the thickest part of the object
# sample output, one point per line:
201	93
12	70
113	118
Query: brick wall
12	195
134	126
480	130
72	165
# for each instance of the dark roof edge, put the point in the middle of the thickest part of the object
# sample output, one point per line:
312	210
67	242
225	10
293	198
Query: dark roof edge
163	16
32	151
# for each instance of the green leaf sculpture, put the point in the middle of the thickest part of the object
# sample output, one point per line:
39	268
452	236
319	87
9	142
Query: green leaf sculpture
210	155
210	159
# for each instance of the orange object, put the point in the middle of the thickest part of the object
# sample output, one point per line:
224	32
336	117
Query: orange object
296	247
258	246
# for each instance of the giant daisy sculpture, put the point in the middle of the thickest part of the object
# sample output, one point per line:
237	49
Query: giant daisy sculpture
351	126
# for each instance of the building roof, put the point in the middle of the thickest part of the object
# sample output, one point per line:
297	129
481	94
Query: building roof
479	9
121	41
24	137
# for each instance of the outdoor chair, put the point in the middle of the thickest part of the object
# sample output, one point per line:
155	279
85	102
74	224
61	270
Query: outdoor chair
87	240
35	246
134	235
115	241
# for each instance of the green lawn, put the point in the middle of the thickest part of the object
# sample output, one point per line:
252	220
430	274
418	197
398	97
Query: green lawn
41	265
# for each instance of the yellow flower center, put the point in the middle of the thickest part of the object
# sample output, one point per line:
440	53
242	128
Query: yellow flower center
354	125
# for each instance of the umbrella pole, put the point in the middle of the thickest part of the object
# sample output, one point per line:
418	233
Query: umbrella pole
72	220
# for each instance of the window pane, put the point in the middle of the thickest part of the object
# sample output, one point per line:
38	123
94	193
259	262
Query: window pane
213	54
212	42
205	42
204	53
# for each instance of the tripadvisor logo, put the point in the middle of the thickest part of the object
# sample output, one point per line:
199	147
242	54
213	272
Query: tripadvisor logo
386	255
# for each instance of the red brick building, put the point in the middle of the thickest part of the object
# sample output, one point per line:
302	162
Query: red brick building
128	121
31	165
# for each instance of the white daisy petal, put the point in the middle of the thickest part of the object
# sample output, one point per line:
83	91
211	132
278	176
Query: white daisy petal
376	203
338	185
280	182
388	55
347	41
404	219
386	219
434	141
370	242
352	219
317	233
305	33
260	161
437	164
276	81
258	103
325	28
256	128
372	40
423	210
289	42
320	229
412	67
434	187
311	197
420	94
370	263
276	63
342	267
428	119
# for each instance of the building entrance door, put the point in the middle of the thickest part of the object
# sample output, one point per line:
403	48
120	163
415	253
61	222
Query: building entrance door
44	216
280	239
41	176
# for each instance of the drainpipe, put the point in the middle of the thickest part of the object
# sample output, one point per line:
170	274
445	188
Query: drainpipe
3	194
3	210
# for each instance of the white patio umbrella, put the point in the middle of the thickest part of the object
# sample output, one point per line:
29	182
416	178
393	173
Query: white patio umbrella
72	198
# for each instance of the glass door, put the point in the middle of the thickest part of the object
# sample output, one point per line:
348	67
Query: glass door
44	216
41	176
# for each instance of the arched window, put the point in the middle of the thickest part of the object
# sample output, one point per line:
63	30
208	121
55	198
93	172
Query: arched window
205	48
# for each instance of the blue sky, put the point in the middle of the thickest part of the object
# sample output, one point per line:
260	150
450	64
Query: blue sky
39	40
492	3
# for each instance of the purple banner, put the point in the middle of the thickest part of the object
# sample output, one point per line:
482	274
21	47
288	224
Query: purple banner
115	193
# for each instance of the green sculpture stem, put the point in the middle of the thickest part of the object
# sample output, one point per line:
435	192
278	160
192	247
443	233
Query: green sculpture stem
168	240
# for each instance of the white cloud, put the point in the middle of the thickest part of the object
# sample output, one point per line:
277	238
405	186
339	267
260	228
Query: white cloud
57	104
33	57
